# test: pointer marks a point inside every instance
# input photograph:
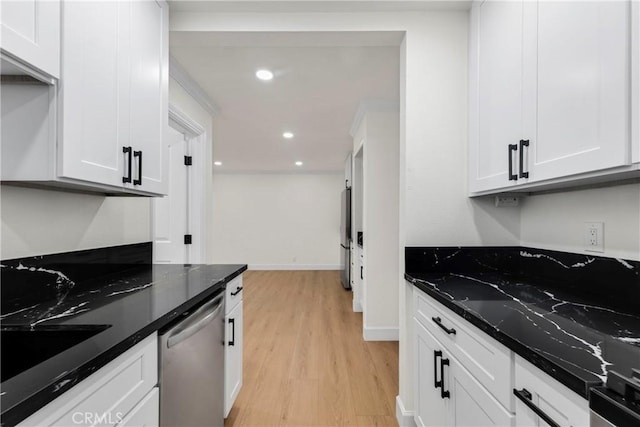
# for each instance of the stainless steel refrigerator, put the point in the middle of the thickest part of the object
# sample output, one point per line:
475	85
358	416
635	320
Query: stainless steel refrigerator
345	237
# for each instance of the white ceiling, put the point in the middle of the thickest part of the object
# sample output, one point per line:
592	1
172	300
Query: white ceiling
320	79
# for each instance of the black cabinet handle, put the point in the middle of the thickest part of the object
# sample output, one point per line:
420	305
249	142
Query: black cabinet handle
233	332
361	275
512	176
238	290
525	397
127	151
523	143
139	180
438	321
443	394
436	383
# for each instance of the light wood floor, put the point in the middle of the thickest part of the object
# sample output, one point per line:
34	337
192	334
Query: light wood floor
305	362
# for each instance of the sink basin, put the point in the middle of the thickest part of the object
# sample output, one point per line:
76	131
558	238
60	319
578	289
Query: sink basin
23	347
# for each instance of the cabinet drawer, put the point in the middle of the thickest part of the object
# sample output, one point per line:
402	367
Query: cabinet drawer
233	294
562	405
107	395
487	360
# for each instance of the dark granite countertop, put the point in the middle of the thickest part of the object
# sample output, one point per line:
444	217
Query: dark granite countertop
576	317
134	300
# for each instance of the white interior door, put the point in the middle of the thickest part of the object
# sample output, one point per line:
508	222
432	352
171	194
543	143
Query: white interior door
171	221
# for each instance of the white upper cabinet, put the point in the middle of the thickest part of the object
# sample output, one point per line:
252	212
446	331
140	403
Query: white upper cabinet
495	92
114	94
550	91
31	33
94	91
577	85
149	92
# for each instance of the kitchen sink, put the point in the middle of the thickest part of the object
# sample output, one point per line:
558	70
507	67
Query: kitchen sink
23	347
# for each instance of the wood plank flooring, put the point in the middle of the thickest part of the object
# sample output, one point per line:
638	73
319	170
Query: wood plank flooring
305	361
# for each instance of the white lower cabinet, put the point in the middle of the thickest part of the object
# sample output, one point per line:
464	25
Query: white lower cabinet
146	413
447	394
122	393
552	399
233	344
463	377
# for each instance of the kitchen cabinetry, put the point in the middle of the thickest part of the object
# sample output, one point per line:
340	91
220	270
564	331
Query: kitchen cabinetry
114	93
545	396
31	33
358	289
465	378
462	378
546	103
233	343
121	393
446	393
102	127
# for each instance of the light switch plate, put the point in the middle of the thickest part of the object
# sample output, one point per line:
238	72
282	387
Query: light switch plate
594	236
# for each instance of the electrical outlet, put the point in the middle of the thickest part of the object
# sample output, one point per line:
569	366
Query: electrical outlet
594	236
507	201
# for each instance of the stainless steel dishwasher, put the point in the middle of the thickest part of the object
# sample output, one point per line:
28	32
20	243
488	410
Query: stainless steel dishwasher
192	368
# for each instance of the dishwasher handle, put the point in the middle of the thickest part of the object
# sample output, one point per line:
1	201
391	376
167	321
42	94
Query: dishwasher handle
195	322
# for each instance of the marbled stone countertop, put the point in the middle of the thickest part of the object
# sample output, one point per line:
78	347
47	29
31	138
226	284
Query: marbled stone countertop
134	302
570	315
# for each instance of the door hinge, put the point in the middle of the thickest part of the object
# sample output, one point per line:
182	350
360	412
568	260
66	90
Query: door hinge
187	239
188	160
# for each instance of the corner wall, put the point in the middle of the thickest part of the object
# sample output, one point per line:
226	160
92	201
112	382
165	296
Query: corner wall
556	220
40	222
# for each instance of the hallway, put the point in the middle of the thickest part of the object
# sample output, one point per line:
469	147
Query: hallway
305	361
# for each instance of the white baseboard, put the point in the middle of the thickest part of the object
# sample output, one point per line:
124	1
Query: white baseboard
381	334
294	267
357	308
404	417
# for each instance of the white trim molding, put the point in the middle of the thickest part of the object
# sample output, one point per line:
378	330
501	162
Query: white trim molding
404	417
180	75
183	123
294	267
357	307
380	334
371	107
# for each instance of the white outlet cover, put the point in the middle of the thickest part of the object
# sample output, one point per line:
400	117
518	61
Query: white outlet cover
594	236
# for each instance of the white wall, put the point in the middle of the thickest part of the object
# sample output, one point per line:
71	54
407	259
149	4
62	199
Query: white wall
39	222
277	221
380	132
556	221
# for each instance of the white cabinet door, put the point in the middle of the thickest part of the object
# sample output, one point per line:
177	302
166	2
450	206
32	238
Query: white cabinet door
561	405
146	413
430	407
576	93
94	87
233	358
148	94
495	93
31	33
470	403
114	94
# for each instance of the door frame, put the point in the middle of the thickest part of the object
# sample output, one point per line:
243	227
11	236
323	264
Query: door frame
195	136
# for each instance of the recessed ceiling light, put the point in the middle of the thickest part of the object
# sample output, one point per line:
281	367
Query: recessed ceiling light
217	163
298	163
287	135
264	74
